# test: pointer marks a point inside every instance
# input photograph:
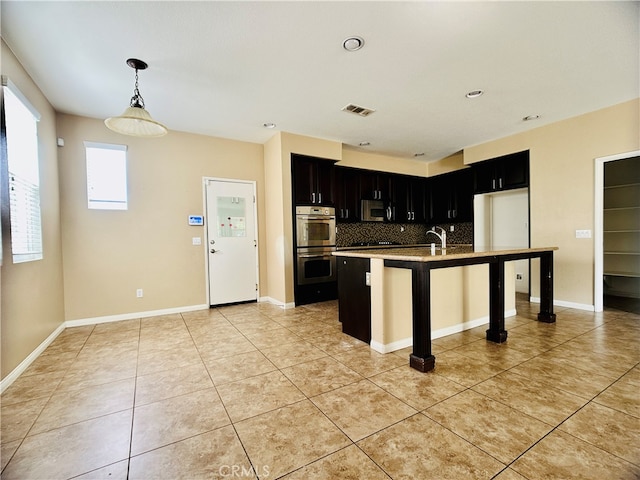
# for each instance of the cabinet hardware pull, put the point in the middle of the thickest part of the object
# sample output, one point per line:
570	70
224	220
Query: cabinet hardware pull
320	198
313	198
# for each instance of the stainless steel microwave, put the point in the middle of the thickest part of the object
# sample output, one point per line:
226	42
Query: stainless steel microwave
374	211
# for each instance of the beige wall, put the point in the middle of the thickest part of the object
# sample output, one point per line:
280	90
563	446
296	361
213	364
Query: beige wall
32	292
383	163
562	187
278	152
448	164
109	254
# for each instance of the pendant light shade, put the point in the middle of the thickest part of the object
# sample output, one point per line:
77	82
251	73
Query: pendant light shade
135	120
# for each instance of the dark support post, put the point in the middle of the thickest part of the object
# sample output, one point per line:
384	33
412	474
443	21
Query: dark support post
496	332
546	288
421	358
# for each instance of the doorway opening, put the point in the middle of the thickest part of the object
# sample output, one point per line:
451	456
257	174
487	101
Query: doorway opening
617	232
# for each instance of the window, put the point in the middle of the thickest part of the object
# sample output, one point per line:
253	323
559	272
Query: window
21	135
106	176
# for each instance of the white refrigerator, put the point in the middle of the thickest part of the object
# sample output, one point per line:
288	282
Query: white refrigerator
501	219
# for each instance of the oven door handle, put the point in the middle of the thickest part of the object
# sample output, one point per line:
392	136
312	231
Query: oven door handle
309	255
319	217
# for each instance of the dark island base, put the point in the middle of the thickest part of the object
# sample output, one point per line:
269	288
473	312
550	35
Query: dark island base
547	317
422	364
497	336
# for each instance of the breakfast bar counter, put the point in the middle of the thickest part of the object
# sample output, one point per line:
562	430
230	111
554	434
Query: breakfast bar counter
421	260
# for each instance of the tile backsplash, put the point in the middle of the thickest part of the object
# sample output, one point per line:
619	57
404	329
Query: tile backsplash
407	234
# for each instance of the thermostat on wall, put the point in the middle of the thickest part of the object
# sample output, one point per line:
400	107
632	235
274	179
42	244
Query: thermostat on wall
196	220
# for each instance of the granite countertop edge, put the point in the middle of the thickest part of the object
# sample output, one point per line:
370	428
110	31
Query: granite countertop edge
422	253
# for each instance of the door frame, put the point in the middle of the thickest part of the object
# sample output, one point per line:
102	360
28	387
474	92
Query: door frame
598	234
205	180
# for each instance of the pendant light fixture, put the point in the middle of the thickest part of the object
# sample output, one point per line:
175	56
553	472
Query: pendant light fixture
135	120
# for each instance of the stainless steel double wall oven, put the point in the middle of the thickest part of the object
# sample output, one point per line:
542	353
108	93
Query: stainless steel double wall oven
315	241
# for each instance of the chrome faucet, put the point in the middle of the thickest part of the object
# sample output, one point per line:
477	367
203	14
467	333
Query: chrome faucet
442	235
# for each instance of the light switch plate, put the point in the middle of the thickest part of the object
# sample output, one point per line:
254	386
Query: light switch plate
583	233
196	241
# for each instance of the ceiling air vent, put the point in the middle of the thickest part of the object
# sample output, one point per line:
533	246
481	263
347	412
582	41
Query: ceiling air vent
358	110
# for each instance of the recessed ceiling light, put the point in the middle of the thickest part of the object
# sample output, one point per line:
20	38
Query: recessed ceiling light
352	44
364	144
531	117
269	125
474	93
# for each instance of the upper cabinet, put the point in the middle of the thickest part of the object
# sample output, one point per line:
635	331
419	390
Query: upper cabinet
502	173
375	185
451	197
408	199
313	180
347	189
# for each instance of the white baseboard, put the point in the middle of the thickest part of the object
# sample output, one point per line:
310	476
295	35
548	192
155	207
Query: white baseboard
441	332
391	347
19	370
273	301
562	303
131	316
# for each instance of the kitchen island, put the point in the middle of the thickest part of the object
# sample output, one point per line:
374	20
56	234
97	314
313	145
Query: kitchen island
420	261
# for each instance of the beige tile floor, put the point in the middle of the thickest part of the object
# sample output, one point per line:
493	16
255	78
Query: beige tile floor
254	391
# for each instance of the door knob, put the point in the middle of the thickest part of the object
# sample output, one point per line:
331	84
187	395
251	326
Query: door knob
213	250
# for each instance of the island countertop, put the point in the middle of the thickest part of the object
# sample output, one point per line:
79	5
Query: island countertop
452	252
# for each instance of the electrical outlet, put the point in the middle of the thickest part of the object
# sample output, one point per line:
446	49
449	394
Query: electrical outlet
583	233
518	276
139	293
196	241
451	228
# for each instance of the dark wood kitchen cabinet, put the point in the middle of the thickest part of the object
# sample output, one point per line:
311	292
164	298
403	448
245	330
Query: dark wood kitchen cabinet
408	199
313	180
502	173
347	194
375	185
451	197
354	297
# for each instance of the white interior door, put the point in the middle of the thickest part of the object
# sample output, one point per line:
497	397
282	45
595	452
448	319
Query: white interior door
231	241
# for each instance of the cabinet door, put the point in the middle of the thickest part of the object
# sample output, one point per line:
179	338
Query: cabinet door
417	200
324	181
400	199
515	171
304	181
462	200
354	297
347	197
484	176
439	197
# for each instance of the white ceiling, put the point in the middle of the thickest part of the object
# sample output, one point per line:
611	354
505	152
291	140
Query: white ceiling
226	68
